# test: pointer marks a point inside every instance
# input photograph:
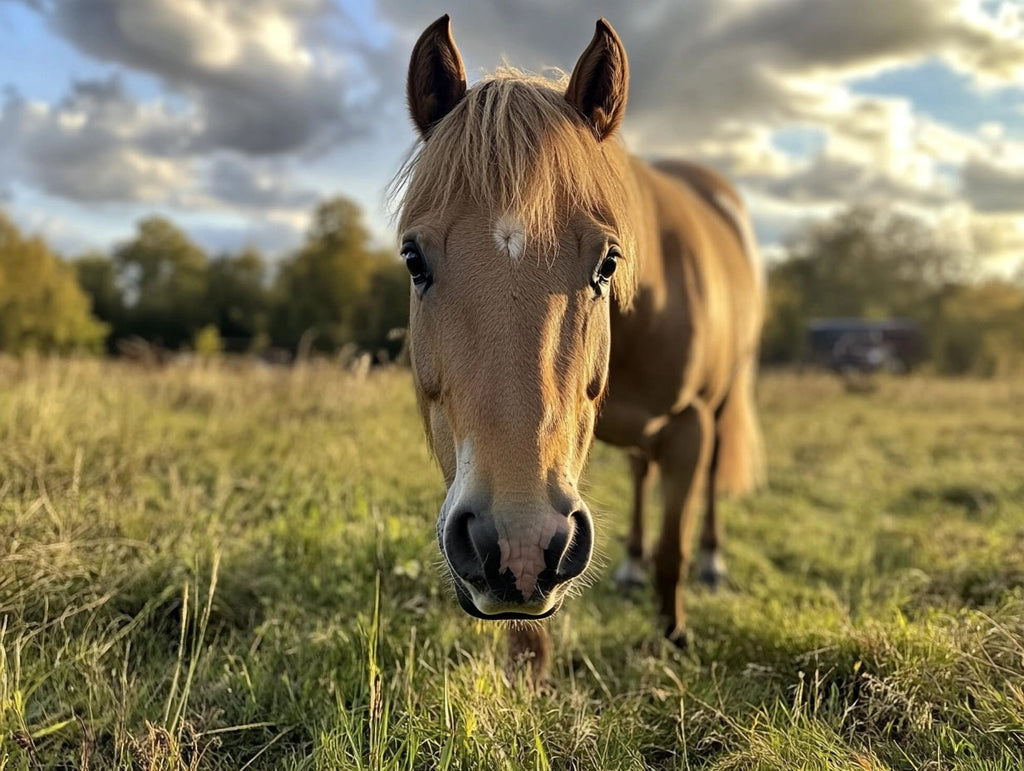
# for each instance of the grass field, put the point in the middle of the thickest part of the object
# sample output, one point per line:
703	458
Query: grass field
218	568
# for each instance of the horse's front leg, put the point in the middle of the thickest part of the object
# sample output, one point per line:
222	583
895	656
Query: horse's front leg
529	647
683	450
632	573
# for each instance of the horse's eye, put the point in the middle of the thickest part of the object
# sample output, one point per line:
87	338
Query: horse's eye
608	265
605	270
416	266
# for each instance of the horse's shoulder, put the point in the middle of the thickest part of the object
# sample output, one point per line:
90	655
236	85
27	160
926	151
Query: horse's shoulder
703	199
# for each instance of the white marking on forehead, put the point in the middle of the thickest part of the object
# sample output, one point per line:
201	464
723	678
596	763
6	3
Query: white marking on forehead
509	236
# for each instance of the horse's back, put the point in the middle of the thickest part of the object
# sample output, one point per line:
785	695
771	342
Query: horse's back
710	268
721	196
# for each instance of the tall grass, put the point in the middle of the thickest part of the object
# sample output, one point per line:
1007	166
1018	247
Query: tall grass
218	567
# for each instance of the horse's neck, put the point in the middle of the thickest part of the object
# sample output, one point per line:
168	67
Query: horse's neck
646	223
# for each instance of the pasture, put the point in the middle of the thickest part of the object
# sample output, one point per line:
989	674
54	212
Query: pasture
208	567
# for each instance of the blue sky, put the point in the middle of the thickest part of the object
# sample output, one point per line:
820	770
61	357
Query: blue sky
948	96
234	117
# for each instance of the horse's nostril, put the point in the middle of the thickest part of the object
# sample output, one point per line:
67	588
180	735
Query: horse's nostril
577	553
459	548
471	546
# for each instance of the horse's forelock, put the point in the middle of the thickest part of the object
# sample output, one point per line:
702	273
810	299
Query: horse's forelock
515	147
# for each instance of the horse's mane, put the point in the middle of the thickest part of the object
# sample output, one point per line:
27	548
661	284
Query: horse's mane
514	145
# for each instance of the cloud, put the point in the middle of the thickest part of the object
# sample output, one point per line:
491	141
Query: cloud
745	151
836	36
261	76
998	234
1000	237
234	180
239	82
270	236
699	65
250	93
827	178
994	188
97	144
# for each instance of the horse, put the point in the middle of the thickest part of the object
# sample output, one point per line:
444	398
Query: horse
563	290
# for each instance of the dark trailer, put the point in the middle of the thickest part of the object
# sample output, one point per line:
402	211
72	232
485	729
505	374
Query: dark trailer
860	345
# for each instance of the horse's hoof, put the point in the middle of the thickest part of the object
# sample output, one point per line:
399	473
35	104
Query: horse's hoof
631	575
678	636
711	570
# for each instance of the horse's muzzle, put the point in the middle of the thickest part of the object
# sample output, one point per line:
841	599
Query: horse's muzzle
517	569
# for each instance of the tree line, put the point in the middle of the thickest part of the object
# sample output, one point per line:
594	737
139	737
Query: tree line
873	263
162	288
336	290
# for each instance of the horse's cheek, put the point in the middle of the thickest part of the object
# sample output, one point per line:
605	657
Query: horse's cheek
598	344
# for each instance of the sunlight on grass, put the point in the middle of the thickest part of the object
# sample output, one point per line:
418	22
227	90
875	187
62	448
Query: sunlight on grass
226	567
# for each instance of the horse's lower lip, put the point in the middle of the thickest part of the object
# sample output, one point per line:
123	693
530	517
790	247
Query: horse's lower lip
511	616
506	615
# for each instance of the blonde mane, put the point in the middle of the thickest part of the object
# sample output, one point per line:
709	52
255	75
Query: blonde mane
514	146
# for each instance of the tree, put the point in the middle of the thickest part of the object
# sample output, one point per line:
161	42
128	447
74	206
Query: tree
97	276
384	308
164	278
318	290
783	337
41	305
865	263
869	263
237	297
978	329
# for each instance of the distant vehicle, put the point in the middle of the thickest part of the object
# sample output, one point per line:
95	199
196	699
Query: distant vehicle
849	345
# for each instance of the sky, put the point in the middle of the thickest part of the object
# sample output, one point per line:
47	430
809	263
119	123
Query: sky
235	117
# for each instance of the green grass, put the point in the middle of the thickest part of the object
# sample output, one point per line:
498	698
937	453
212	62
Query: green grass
221	568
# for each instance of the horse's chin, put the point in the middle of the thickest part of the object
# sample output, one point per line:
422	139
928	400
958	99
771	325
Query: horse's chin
466	601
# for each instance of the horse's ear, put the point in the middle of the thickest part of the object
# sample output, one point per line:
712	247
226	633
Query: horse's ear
437	78
600	81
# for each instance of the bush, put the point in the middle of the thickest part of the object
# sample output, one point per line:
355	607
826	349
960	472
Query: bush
208	342
42	307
